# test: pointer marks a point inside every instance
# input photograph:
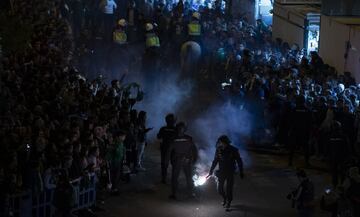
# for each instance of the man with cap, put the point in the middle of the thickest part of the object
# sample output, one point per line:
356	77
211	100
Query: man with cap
227	156
167	134
182	154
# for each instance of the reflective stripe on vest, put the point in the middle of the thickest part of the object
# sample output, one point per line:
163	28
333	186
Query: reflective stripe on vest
152	41
194	29
119	37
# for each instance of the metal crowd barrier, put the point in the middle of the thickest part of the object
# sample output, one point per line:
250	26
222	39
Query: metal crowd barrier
20	204
26	204
85	192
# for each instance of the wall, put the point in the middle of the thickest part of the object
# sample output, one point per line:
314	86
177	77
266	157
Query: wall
288	25
333	38
353	62
341	7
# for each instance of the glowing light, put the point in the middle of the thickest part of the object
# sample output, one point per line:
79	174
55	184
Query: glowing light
199	180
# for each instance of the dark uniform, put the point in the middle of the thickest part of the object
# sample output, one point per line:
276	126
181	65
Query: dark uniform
167	134
301	124
338	152
182	154
227	158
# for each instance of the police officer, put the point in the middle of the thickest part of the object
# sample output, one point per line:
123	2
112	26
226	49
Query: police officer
194	28
301	121
183	154
151	55
339	150
119	34
118	50
167	134
227	156
152	41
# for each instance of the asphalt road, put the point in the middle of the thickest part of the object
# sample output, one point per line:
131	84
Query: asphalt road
261	194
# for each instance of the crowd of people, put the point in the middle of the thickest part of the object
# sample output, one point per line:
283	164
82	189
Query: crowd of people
58	126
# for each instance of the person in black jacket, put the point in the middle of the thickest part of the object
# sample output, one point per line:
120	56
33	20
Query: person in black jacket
301	120
183	154
167	134
227	156
339	150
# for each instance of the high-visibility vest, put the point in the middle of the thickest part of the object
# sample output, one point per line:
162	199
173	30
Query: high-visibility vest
194	29
152	40
119	37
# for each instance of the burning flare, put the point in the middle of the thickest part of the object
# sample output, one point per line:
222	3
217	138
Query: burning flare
199	180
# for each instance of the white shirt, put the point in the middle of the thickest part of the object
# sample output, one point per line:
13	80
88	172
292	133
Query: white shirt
108	6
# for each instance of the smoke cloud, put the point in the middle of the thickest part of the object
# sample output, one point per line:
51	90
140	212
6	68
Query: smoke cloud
223	118
167	96
172	96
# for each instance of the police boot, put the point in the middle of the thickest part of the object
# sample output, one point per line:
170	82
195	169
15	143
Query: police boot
228	205
224	202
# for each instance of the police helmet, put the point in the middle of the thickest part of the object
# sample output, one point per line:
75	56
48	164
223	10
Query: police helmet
122	22
336	125
149	27
196	15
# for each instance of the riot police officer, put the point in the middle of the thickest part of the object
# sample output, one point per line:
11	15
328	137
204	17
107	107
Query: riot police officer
151	57
227	156
339	151
182	154
194	28
167	134
301	120
119	33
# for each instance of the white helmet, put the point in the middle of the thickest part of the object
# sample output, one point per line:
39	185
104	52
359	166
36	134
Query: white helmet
341	87
149	27
122	22
196	15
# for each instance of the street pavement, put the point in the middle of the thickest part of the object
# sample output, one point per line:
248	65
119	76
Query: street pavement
261	194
